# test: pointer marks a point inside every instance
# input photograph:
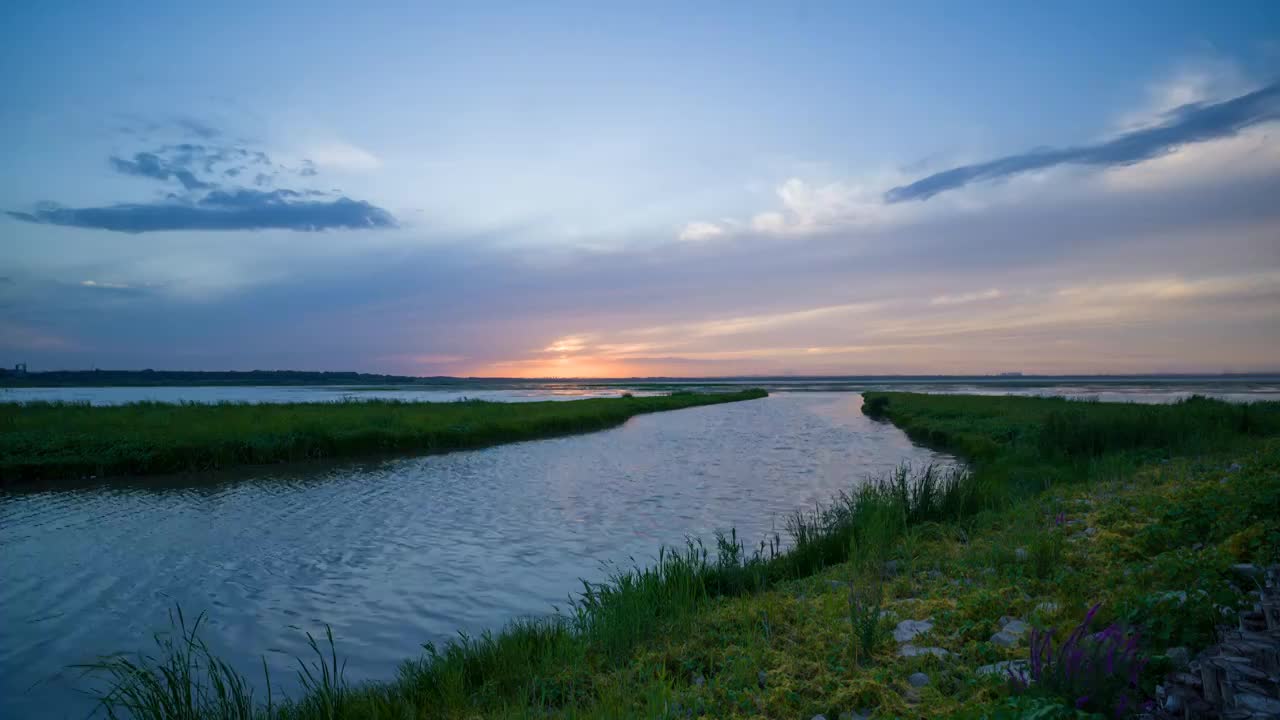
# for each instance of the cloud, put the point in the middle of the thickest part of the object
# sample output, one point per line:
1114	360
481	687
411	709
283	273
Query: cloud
1195	122
150	165
208	205
570	344
343	156
964	298
696	231
238	210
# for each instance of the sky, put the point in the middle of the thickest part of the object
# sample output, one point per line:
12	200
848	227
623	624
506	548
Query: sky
675	189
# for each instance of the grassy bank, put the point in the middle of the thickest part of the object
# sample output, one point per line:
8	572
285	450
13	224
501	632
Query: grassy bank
1149	521
51	441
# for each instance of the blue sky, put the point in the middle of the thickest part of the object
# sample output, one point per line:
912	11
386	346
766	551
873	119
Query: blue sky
563	189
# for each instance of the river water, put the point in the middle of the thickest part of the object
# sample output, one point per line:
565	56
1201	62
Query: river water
396	553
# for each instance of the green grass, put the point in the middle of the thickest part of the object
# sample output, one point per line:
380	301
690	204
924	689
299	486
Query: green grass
54	441
733	631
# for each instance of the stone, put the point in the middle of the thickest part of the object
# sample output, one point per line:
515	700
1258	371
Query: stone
1005	639
1173	704
1179	656
1090	531
1004	667
1021	554
1259	704
839	584
1178	596
935	574
698	680
1015	627
760	679
907	630
910	651
918	679
818	717
1246	569
1234	467
890	568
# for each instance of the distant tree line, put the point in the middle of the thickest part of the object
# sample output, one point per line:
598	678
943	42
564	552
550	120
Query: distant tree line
73	378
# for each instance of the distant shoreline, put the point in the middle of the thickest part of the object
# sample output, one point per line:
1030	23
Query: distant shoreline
301	378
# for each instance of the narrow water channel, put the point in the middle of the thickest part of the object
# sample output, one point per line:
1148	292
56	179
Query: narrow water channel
396	553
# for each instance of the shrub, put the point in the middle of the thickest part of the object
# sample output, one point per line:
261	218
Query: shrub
1094	671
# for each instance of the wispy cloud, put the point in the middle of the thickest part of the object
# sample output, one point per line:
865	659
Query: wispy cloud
1191	123
150	165
964	298
695	231
241	210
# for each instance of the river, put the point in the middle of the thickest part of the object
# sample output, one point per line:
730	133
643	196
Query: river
395	553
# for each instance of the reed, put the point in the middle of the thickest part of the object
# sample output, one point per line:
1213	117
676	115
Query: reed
56	441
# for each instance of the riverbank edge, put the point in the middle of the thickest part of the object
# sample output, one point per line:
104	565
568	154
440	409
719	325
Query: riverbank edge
47	442
751	642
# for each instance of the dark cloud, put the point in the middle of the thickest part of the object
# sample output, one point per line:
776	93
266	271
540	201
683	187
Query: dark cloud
204	204
221	210
1188	124
151	165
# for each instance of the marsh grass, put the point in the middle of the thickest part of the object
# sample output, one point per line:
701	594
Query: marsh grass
550	662
54	441
184	680
634	640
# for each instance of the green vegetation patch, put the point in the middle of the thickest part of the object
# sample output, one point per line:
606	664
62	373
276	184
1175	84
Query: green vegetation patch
53	441
907	597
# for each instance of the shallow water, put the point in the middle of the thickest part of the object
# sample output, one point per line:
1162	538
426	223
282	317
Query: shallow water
285	394
397	553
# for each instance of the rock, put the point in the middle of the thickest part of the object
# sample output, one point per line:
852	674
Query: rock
1178	596
839	584
1234	467
1004	667
910	651
890	568
1173	704
1246	569
1259	704
818	717
1090	531
1021	554
1015	627
918	679
1179	656
934	574
1005	639
1048	608
698	680
760	679
909	629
